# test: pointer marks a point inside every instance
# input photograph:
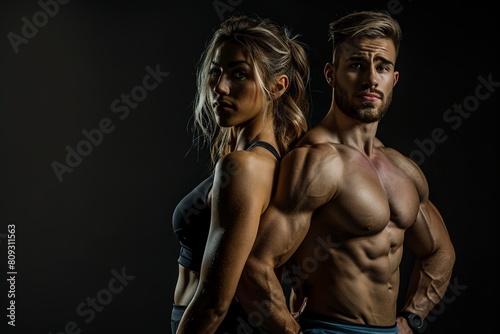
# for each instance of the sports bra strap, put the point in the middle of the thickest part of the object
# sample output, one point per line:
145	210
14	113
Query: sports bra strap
267	146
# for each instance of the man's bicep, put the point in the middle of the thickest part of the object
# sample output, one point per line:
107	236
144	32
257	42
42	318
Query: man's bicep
278	236
429	232
299	192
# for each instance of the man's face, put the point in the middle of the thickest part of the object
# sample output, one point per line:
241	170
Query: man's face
363	78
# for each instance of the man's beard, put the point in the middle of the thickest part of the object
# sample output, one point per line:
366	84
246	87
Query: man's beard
368	113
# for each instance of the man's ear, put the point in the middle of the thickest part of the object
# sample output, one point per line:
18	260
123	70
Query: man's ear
396	78
281	85
328	71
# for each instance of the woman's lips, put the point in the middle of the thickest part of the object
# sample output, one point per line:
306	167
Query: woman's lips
223	106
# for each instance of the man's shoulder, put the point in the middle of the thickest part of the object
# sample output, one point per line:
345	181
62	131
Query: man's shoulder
394	155
316	139
312	156
403	162
312	149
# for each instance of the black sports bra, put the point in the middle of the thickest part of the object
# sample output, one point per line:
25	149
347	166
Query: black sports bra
191	219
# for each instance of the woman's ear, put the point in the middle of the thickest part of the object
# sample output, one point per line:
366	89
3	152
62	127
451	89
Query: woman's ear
281	85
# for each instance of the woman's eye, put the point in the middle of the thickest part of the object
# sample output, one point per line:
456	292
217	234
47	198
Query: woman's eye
240	74
215	72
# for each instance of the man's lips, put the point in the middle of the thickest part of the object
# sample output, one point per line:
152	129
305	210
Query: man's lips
370	96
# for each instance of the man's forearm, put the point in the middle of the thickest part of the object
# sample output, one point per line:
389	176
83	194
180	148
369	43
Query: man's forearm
429	281
261	296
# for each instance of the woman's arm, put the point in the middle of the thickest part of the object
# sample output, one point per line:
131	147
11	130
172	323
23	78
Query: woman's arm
242	189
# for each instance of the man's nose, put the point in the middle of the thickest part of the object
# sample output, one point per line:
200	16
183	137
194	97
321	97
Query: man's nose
371	78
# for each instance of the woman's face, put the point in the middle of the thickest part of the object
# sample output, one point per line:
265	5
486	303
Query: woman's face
236	96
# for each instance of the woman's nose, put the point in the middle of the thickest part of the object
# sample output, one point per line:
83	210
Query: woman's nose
222	86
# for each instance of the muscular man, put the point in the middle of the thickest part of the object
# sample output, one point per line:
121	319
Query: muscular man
345	205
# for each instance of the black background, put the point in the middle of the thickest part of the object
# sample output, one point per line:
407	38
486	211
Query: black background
113	211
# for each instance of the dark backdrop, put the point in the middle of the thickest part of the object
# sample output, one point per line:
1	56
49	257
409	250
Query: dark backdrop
94	249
